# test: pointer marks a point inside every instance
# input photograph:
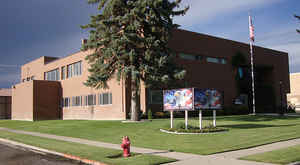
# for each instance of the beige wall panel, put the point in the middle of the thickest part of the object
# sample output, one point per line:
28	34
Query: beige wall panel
295	83
74	87
294	96
22	101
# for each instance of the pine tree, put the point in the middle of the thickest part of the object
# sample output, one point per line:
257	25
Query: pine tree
130	42
299	19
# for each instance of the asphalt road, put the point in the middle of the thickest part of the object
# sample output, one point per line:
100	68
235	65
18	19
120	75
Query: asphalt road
15	155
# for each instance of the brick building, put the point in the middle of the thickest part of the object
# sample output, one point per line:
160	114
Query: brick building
52	88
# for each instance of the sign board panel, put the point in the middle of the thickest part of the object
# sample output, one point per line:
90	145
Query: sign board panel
207	99
178	99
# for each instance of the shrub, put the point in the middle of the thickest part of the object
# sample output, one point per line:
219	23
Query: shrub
291	108
159	114
149	114
180	128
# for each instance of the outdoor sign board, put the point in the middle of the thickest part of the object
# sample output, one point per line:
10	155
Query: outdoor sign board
192	99
178	99
207	99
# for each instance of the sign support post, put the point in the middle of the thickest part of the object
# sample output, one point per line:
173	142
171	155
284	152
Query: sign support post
171	115
200	119
214	122
186	119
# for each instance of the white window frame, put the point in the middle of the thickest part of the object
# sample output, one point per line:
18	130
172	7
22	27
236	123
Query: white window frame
101	99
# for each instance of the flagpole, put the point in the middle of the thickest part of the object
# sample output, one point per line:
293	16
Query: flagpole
251	28
252	77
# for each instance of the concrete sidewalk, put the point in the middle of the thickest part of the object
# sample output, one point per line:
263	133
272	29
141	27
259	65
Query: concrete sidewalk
259	149
164	153
229	158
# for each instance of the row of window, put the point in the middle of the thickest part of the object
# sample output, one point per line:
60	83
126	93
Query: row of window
71	70
52	75
74	69
217	60
88	100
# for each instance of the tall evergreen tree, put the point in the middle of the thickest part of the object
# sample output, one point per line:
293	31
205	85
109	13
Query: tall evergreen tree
129	39
299	19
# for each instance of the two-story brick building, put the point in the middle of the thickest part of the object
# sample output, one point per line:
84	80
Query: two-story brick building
53	88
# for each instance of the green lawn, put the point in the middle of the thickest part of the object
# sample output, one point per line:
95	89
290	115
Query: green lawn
244	132
282	156
103	155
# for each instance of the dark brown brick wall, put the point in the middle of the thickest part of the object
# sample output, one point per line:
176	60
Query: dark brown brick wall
47	95
5	107
201	74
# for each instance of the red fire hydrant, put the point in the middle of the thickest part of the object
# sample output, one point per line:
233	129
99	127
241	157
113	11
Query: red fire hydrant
126	146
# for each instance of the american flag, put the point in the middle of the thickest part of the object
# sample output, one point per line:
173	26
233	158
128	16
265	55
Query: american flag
251	29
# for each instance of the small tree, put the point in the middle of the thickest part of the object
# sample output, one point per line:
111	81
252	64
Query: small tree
129	39
299	19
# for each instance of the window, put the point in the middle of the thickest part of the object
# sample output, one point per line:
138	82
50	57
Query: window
216	60
105	98
77	68
66	102
156	97
63	72
223	61
76	101
199	58
90	100
190	57
52	75
187	56
70	71
213	60
74	69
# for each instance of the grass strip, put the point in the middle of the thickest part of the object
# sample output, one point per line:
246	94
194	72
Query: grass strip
281	156
104	155
244	132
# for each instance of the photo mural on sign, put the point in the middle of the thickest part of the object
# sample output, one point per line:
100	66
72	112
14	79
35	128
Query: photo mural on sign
178	99
207	99
192	99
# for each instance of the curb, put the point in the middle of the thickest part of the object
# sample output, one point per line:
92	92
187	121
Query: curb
86	161
186	133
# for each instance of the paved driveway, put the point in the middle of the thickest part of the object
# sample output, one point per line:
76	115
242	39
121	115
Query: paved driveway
14	155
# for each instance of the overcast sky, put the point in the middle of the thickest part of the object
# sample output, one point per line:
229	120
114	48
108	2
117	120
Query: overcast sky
34	28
